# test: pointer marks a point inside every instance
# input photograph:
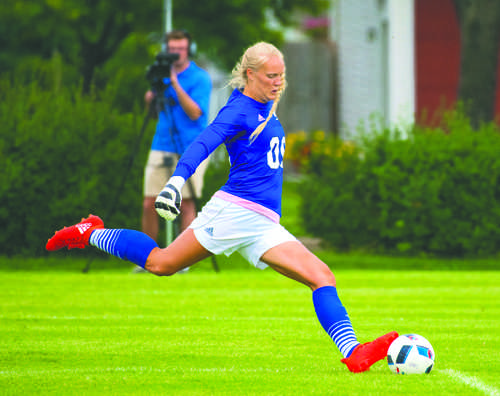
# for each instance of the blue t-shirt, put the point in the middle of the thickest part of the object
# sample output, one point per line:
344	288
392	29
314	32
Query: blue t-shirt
256	172
173	122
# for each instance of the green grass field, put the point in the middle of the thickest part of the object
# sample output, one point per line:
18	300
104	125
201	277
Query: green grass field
238	332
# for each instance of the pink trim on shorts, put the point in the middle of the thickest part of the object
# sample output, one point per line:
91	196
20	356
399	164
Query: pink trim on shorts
245	203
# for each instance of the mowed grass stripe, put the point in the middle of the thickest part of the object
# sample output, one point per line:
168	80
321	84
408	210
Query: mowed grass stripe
240	332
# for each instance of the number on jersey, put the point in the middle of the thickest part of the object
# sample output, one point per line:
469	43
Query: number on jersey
276	152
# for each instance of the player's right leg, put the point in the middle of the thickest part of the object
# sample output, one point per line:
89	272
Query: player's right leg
131	245
76	236
149	220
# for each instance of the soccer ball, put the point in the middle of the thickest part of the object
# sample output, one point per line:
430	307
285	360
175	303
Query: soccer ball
410	354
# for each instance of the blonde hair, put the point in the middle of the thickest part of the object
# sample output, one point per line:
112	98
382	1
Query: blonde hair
253	58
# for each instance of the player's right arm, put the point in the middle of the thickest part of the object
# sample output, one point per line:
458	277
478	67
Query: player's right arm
168	202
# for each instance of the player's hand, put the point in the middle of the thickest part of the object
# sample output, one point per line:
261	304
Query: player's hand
168	202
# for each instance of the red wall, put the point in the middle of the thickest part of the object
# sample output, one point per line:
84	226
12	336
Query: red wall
437	57
437	47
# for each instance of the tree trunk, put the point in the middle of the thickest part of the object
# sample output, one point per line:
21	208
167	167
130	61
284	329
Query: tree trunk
96	51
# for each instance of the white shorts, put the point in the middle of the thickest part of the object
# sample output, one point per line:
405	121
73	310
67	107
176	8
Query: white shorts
225	227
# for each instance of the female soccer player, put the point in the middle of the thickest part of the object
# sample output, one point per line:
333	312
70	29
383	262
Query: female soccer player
244	214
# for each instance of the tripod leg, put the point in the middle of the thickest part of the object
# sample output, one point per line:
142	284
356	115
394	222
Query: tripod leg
215	266
189	182
135	150
169	232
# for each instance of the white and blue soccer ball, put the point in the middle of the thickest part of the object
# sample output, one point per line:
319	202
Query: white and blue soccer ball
410	354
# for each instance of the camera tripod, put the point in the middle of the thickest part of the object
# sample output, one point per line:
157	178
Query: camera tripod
160	105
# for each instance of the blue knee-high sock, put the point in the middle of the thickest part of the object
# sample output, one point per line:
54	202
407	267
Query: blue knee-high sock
333	317
128	245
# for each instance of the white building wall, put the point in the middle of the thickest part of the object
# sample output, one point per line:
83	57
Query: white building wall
402	62
376	72
359	63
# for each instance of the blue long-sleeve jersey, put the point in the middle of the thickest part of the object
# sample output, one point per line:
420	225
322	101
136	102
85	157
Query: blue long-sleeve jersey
256	172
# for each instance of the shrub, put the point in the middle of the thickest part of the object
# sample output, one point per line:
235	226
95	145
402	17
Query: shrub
63	155
427	191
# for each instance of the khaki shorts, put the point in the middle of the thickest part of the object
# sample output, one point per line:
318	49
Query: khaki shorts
159	169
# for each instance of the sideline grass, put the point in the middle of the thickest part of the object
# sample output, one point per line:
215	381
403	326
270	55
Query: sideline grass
244	332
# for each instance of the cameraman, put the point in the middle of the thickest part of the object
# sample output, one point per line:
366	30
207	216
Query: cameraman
182	115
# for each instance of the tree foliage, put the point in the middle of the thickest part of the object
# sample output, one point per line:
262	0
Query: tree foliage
87	33
479	22
223	28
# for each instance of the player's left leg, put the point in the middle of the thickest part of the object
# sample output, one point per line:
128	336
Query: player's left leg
294	260
364	355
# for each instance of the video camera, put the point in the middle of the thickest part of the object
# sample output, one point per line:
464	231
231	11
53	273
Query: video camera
160	69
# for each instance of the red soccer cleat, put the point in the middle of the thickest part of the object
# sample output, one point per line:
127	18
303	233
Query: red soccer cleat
76	236
365	355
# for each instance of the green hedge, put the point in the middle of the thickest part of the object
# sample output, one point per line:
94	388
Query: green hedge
64	155
429	191
433	192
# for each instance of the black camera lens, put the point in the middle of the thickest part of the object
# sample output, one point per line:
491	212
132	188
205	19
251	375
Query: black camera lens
160	69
